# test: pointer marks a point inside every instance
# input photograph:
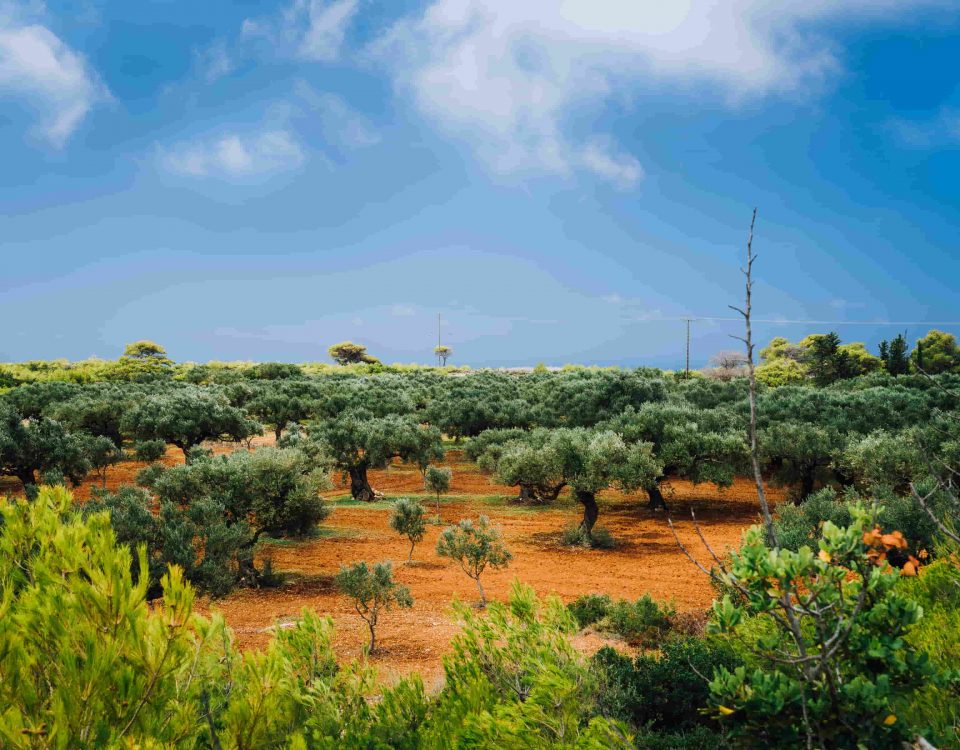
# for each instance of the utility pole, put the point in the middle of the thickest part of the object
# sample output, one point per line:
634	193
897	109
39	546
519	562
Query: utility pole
688	348
439	343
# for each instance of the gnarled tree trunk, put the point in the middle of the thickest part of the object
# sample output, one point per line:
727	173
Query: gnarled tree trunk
360	488
656	498
549	493
590	511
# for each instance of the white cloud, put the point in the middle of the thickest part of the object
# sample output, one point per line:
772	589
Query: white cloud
340	123
509	76
403	311
312	29
215	61
943	129
54	81
234	156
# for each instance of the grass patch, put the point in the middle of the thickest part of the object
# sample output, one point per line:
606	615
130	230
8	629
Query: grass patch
601	538
320	532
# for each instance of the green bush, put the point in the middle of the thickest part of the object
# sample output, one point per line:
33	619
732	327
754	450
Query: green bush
935	706
599	538
643	622
799	525
664	692
590	608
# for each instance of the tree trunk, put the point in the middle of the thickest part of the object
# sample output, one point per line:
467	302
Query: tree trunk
410	556
373	634
483	596
656	498
549	494
526	494
277	432
360	488
590	511
806	485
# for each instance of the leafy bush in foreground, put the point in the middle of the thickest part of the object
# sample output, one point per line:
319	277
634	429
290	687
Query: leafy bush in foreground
664	692
833	666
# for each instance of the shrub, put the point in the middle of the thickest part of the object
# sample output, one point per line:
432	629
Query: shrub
407	520
599	538
665	691
475	546
802	524
149	450
590	608
803	685
372	592
643	622
935	706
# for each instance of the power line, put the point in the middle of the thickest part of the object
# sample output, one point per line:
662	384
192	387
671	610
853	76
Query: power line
806	322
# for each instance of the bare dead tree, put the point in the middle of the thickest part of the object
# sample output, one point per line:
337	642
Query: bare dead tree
810	659
747	340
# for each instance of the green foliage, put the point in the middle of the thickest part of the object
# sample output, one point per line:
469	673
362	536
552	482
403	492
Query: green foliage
590	608
834	665
407	520
187	416
40	449
598	538
84	663
937	352
149	450
436	479
207	516
935	706
348	353
356	442
142	361
801	525
514	681
642	622
665	692
779	372
372	592
475	546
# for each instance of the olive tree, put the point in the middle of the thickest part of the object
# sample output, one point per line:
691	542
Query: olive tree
407	520
801	453
372	592
188	416
475	546
357	442
214	510
443	354
282	402
592	461
517	458
42	450
98	411
701	445
436	479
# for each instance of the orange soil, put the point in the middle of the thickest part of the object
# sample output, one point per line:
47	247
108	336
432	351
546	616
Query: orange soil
645	560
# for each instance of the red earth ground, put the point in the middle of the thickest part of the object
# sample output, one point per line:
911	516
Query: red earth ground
646	558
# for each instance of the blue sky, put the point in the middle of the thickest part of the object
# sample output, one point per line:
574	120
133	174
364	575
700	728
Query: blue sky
559	180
